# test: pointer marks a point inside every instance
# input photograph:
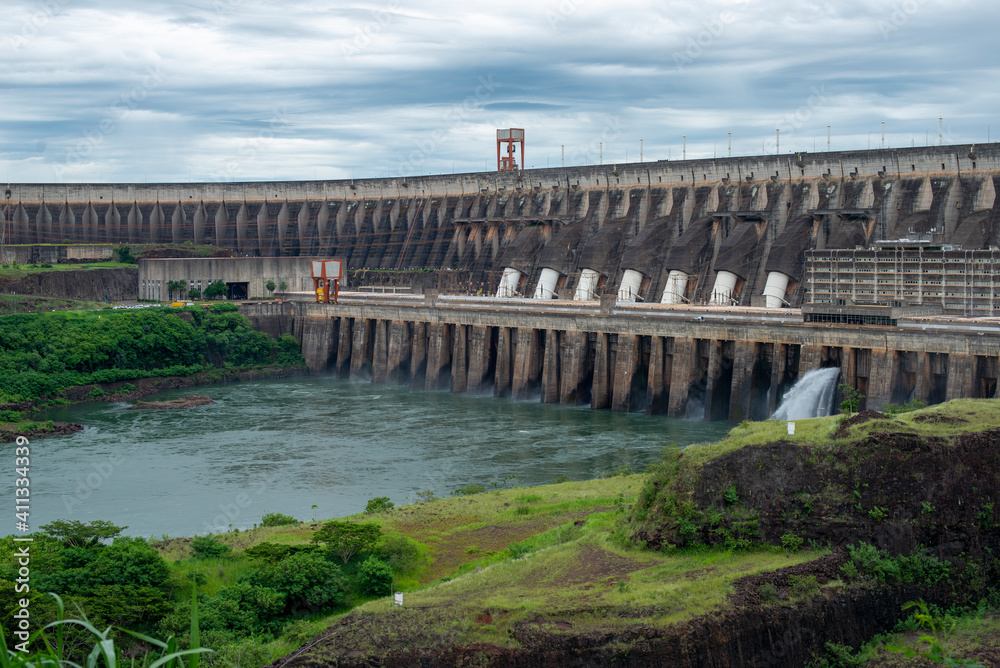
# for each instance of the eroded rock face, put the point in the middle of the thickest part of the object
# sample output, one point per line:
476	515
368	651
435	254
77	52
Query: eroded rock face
96	285
896	490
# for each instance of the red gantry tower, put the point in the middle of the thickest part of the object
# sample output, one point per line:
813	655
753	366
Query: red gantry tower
510	136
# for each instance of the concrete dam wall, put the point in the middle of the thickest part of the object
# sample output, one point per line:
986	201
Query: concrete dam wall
730	231
677	361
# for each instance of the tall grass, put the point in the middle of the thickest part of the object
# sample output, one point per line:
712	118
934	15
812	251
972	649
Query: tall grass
53	652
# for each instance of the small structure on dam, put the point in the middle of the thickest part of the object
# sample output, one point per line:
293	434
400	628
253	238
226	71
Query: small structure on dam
244	277
836	235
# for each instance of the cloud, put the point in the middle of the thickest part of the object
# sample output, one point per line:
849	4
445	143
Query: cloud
382	86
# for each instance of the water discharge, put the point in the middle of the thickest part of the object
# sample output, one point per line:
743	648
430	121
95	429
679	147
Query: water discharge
811	397
286	445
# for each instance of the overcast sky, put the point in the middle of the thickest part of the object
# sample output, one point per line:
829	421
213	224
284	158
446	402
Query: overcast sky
232	90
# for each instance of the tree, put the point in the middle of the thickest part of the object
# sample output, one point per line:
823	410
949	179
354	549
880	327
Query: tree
81	534
284	286
125	255
306	579
173	286
270	285
852	398
216	289
194	293
345	539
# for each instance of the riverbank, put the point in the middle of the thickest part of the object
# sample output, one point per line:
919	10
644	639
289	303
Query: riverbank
749	568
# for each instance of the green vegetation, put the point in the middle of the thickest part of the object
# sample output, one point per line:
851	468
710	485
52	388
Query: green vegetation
49	648
346	539
852	398
125	255
277	520
484	565
44	354
175	286
15	271
14	303
216	289
379	504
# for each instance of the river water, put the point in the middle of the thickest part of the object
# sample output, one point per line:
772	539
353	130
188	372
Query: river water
287	445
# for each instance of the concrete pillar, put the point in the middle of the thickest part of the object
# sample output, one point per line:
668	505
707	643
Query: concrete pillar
527	363
881	375
574	374
399	351
810	358
714	364
459	359
778	362
504	373
380	352
361	348
657	385
626	361
438	355
922	387
961	376
345	340
685	351
849	367
600	393
479	357
744	363
318	341
550	368
418	355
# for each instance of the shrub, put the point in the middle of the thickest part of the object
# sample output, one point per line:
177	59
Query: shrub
399	552
803	586
375	577
731	496
74	533
277	520
791	542
11	416
208	547
307	580
379	504
244	653
767	592
346	539
270	552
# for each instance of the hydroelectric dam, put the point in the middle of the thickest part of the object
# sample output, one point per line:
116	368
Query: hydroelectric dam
697	288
